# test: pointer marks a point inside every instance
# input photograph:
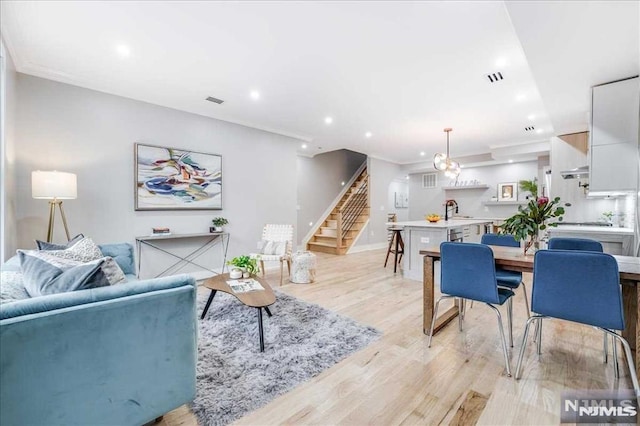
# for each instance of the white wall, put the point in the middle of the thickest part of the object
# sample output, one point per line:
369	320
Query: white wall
382	174
8	223
319	181
423	201
92	134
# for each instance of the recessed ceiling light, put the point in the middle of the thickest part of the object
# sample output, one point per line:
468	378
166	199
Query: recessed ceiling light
328	120
407	177
501	62
539	131
422	154
123	50
310	223
531	117
304	146
255	95
368	135
511	161
521	97
342	183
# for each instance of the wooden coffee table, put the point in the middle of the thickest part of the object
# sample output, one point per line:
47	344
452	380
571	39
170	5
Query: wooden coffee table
260	299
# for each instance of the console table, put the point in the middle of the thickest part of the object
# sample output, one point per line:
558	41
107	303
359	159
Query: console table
207	241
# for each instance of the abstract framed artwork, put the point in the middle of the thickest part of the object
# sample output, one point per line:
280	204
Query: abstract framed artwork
508	191
176	179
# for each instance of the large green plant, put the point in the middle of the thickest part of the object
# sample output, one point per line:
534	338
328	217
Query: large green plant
245	262
529	186
539	214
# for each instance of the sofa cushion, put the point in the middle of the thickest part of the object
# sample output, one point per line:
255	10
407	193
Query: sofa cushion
43	245
121	253
46	273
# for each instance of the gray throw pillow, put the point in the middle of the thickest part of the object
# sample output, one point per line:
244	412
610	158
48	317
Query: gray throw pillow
44	273
43	245
84	250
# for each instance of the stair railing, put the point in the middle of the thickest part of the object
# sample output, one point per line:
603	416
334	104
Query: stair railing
351	209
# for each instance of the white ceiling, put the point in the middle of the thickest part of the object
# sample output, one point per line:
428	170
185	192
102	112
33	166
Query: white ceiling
401	70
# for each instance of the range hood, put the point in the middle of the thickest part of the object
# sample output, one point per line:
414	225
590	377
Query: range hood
577	173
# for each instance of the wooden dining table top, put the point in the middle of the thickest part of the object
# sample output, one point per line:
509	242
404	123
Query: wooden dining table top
513	258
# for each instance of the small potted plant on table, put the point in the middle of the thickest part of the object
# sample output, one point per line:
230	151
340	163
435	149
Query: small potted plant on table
244	263
218	223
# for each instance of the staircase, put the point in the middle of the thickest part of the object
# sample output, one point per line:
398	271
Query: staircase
346	220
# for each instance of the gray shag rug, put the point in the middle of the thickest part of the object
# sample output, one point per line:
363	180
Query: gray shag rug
301	341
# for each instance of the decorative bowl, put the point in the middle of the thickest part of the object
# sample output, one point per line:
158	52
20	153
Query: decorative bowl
433	218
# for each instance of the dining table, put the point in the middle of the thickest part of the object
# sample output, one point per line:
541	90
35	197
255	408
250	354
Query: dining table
514	259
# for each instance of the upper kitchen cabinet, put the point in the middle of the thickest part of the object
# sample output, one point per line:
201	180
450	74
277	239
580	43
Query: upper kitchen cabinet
614	136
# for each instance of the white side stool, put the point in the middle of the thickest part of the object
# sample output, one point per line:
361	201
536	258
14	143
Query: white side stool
303	269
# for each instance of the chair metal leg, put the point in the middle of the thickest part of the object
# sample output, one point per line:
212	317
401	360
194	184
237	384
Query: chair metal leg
435	315
266	308
539	337
530	321
629	356
526	298
504	342
616	367
605	347
510	319
460	312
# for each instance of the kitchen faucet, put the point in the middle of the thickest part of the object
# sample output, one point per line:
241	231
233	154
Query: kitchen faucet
447	204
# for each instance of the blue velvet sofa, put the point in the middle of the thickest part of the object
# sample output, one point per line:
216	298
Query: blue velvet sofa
118	355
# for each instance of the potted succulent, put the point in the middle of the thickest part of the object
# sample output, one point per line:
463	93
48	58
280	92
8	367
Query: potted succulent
246	264
218	223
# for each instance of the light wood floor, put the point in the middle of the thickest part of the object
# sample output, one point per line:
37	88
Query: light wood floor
398	380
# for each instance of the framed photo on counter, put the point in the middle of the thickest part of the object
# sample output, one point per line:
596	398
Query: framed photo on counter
508	191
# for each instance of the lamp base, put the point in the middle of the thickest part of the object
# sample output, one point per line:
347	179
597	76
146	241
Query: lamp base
52	213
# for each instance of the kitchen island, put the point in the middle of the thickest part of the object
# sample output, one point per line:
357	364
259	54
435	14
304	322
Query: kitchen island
420	234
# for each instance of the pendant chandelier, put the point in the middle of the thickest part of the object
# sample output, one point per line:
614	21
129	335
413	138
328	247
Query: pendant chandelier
443	162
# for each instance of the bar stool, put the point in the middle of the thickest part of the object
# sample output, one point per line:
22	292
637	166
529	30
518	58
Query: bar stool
396	246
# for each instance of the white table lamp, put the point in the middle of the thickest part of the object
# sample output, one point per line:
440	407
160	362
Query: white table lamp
54	186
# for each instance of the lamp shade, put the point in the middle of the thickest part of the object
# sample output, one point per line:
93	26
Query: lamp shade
50	185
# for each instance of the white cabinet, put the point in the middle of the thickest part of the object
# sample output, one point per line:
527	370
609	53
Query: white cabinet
473	233
614	136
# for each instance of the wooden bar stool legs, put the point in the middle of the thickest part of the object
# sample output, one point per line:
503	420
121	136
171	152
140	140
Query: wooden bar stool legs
396	246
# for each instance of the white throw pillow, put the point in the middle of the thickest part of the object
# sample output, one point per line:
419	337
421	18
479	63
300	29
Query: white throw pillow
269	247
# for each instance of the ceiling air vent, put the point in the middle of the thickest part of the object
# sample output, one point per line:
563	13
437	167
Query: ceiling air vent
214	100
430	180
495	77
529	128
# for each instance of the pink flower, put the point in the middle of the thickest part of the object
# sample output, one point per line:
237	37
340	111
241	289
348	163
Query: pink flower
542	201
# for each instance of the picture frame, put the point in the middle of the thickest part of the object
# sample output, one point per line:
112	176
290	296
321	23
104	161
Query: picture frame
508	191
176	179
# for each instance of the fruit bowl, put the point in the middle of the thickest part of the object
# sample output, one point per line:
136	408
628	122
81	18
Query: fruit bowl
433	218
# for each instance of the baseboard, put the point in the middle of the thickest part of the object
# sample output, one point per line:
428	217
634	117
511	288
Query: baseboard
367	247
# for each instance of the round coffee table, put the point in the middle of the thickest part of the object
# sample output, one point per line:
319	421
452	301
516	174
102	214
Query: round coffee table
259	299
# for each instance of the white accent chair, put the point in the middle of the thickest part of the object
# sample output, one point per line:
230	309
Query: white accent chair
272	233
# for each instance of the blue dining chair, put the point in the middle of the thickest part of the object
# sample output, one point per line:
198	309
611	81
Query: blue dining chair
507	279
585	244
582	287
468	272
